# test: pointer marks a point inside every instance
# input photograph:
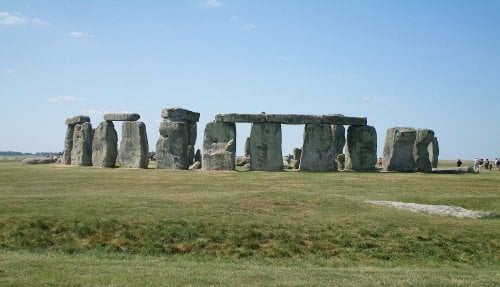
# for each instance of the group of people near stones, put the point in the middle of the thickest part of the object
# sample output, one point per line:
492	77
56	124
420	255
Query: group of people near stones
482	163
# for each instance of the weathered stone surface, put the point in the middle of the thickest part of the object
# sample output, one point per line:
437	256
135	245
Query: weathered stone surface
297	154
195	165
172	146
192	133
434	152
318	152
242	160
398	149
340	161
219	146
241	118
121	117
361	148
454	170
291	119
180	115
265	147
81	154
247	147
338	133
134	147
77	120
105	145
38	160
421	150
68	145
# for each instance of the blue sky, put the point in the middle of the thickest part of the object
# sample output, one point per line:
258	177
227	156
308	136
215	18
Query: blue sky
423	64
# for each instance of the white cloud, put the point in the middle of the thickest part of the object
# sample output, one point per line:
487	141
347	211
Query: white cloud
8	19
77	35
7	72
39	23
213	3
61	99
249	26
373	99
234	18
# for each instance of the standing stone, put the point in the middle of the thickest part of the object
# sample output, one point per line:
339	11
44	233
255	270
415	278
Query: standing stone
297	154
134	147
105	145
265	147
172	146
81	154
247	147
398	149
338	133
318	151
361	150
68	145
219	146
178	132
424	138
434	152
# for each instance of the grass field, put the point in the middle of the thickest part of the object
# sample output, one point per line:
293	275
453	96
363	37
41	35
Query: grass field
76	226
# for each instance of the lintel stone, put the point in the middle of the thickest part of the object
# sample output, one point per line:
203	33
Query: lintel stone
180	114
122	117
292	119
77	120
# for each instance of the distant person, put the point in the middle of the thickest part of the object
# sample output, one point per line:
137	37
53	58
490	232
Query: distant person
476	164
497	163
379	162
459	163
481	162
487	164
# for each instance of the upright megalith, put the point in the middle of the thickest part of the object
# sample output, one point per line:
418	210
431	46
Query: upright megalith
247	147
338	133
434	152
105	145
361	148
318	150
398	149
68	140
134	147
81	153
219	146
424	138
265	147
178	131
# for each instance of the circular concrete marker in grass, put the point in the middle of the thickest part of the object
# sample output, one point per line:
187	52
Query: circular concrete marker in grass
434	209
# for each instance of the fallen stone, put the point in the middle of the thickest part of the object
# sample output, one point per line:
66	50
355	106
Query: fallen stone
77	120
434	209
36	160
242	160
195	165
454	170
121	117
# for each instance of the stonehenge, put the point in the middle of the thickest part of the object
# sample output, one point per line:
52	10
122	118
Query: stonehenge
326	144
98	147
175	146
409	150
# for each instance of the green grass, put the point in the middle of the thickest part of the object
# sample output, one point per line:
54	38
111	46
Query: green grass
74	225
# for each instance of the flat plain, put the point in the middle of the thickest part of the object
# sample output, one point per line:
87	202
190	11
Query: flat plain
84	226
